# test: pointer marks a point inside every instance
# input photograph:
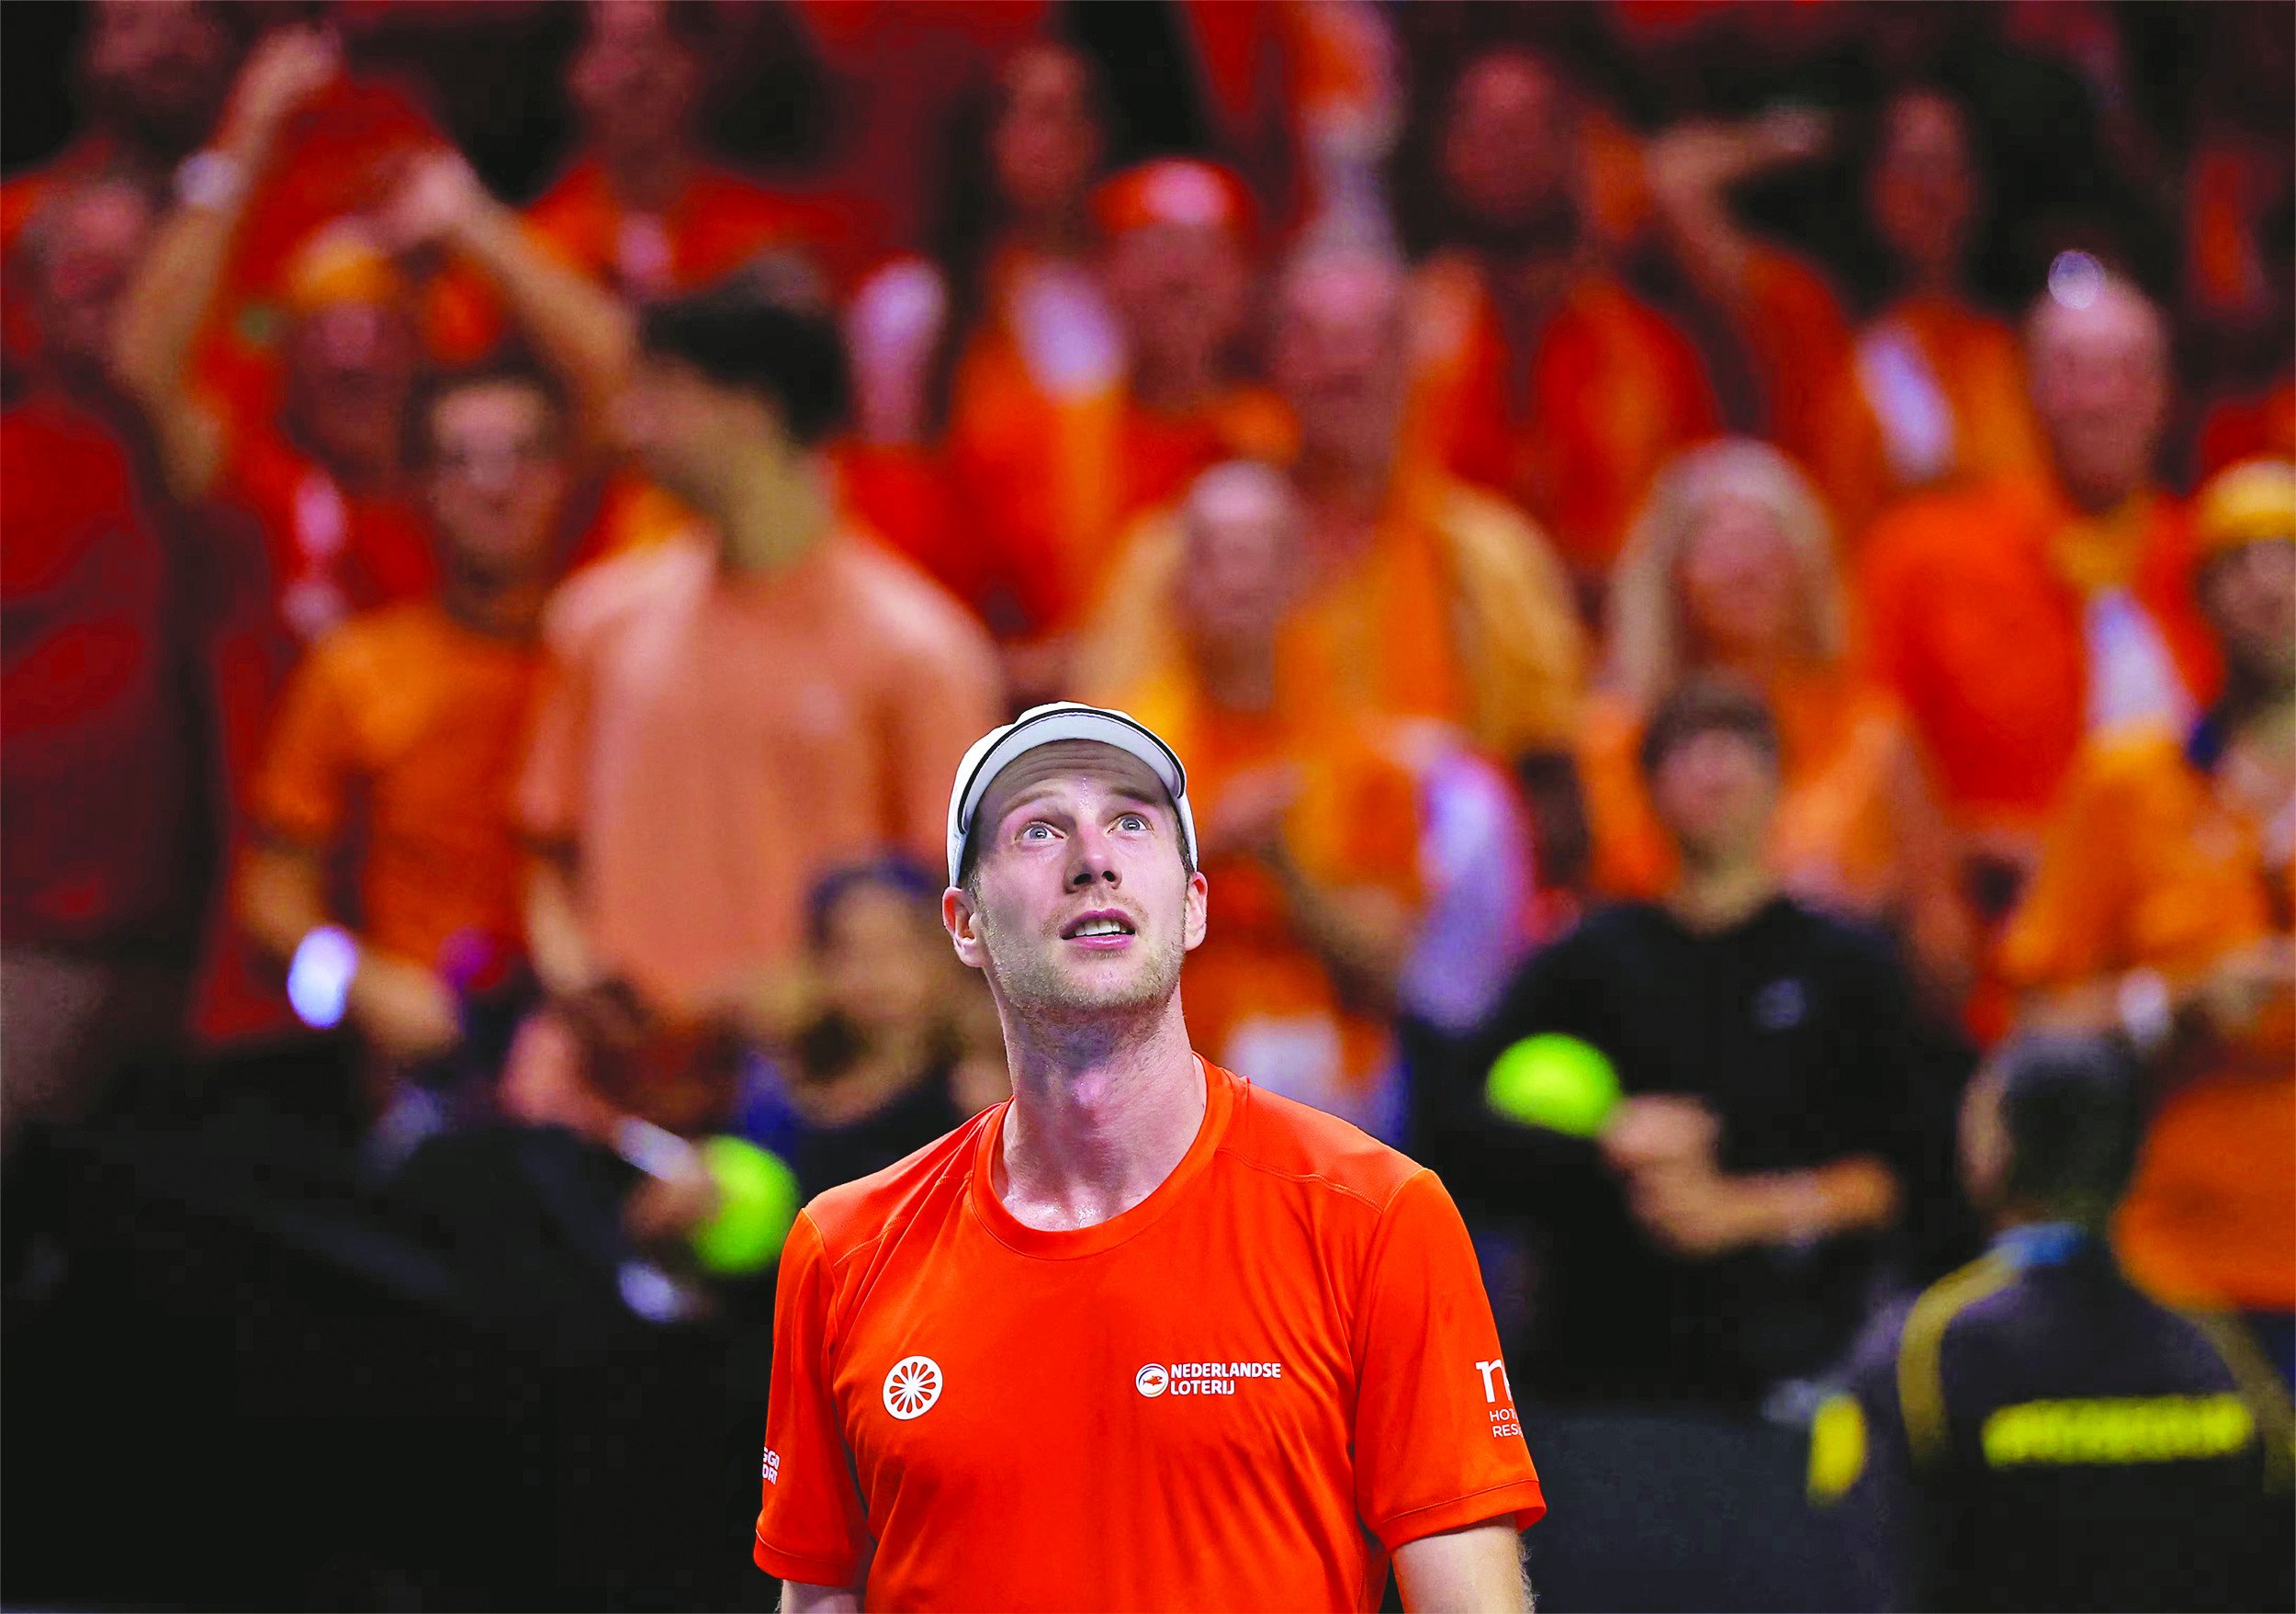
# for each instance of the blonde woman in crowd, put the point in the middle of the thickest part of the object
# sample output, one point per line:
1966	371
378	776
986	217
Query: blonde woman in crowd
1731	565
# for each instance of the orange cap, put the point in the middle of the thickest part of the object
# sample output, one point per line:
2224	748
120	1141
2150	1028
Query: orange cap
2252	503
340	264
1177	190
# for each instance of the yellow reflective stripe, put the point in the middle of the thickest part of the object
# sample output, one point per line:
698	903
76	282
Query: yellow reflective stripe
2260	1386
1837	1448
2160	1428
1920	1378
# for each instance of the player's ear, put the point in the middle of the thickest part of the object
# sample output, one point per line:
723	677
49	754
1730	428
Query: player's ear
1198	910
958	917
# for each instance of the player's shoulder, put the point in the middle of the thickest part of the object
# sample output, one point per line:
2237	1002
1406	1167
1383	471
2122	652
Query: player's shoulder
854	1215
1318	1153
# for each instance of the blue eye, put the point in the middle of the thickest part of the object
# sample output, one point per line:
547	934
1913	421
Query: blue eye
1038	829
1132	821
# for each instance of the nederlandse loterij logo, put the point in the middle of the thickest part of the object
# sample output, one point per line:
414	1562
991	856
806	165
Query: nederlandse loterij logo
912	1387
1201	1378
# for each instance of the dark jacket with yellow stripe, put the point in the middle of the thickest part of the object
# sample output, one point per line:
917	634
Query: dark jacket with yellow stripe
2034	1433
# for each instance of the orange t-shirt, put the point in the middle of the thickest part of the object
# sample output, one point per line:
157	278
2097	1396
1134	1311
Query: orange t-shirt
713	744
2145	866
1608	394
1243	1393
1798	339
1970	619
718	223
419	721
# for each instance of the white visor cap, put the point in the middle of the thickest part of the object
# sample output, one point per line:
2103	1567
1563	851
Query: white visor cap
1000	748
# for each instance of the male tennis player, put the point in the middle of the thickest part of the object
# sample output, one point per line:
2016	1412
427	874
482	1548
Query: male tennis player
1144	1336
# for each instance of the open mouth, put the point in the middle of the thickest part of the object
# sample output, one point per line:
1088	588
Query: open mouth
1102	928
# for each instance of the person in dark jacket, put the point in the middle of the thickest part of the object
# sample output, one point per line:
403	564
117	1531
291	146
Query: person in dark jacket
2033	1432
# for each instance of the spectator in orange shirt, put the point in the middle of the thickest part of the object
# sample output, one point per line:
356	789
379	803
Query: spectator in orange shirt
328	492
1310	818
2014	618
1542	375
2162	908
1732	568
1049	481
1766	315
734	713
1421	596
408	722
641	208
103	873
1935	390
151	77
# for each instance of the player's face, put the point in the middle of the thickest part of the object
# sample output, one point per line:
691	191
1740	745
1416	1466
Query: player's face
1081	903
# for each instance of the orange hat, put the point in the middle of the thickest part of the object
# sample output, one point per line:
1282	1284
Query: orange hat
1177	190
340	264
2250	503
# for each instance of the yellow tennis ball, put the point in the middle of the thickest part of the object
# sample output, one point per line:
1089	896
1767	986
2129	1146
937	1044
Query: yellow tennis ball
757	1205
1554	1082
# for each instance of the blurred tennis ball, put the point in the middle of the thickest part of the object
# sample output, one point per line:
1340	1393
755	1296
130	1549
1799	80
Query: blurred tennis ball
1554	1082
757	1194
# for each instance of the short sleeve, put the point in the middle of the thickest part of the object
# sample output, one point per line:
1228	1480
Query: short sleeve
812	1527
1439	1438
303	789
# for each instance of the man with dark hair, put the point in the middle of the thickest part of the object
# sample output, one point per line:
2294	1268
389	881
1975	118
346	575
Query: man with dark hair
738	710
1714	1229
2033	1432
408	720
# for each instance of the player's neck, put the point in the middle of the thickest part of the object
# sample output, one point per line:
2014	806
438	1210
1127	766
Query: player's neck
1101	1115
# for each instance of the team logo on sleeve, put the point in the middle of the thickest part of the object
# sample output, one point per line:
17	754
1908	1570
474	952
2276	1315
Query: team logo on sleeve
912	1387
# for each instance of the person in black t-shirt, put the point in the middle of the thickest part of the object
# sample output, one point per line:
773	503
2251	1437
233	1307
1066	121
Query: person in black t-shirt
2032	1432
1722	1230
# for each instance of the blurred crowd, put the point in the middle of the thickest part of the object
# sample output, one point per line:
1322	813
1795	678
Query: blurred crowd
1758	539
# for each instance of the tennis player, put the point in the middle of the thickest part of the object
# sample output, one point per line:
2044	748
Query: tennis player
1144	1336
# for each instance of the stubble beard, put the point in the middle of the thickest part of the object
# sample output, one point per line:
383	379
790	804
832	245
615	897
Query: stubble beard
1035	988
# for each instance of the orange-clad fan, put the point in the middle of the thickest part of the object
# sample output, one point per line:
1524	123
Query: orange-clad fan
1234	1288
397	745
1541	374
2015	618
640	208
1049	482
2163	906
1935	390
1769	317
102	865
1421	596
732	714
1312	819
1732	566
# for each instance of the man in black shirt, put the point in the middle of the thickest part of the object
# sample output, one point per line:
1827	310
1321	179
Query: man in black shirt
2033	1432
1721	1231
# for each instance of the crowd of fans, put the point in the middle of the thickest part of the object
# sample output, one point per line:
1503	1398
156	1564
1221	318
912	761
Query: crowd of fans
1758	538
